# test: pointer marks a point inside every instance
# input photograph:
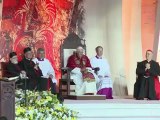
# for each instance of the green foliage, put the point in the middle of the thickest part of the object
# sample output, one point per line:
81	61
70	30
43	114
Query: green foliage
41	106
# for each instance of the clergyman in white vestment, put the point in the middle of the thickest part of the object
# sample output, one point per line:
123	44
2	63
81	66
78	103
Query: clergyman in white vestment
104	85
46	68
82	73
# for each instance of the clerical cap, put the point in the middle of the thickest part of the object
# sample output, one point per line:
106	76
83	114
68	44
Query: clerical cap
12	54
150	50
26	50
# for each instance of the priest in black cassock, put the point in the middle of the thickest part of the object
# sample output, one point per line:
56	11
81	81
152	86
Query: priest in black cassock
33	71
13	69
146	71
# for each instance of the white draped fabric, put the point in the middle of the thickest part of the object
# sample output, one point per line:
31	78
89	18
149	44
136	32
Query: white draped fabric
83	87
104	72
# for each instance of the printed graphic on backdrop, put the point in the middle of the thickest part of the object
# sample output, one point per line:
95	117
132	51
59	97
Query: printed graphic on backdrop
35	23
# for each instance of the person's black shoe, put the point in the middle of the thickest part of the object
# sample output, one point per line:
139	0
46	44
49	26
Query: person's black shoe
139	98
59	97
151	99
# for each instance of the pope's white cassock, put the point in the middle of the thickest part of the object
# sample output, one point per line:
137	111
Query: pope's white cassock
85	81
83	87
104	85
46	68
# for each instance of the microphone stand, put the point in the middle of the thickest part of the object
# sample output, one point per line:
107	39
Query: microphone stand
25	85
25	90
25	94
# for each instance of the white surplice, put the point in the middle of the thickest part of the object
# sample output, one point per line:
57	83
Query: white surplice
83	87
46	68
104	72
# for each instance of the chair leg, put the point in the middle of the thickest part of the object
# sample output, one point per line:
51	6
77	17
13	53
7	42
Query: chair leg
68	88
60	87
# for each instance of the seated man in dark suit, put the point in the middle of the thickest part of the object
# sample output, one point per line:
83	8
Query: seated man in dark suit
33	72
14	69
146	71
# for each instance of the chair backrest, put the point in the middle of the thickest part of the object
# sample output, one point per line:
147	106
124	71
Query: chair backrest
3	69
136	74
69	46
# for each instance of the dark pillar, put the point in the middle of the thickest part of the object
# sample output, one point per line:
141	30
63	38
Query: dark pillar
7	99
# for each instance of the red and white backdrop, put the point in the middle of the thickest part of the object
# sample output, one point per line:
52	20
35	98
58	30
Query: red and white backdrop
125	28
34	23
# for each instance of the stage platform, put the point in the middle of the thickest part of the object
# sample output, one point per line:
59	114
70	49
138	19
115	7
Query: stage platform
115	109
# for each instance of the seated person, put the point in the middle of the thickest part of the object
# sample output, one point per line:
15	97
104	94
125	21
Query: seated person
14	69
46	68
146	71
104	85
82	74
32	70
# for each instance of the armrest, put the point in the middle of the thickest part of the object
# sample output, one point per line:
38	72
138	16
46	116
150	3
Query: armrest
66	69
65	72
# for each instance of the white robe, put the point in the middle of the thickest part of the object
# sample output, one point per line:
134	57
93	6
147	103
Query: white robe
83	87
105	80
46	68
